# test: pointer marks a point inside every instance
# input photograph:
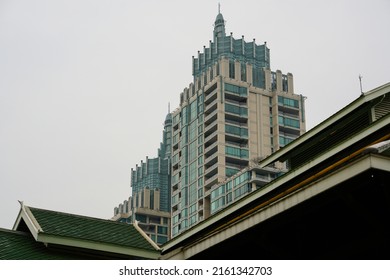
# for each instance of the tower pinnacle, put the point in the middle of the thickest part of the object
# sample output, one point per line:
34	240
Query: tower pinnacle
219	24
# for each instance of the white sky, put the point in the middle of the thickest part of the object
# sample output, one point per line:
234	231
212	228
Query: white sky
85	85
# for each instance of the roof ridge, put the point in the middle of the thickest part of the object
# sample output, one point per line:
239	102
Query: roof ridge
77	215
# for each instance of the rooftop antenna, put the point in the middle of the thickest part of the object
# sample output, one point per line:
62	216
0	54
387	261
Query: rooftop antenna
360	81
219	8
169	107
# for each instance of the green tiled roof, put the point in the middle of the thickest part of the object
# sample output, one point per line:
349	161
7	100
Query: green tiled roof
90	229
16	245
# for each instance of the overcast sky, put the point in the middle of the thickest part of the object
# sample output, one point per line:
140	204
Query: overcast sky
85	85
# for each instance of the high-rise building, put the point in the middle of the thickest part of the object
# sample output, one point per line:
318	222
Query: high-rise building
149	205
154	173
235	112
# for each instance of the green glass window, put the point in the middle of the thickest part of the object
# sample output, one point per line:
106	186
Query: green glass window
285	101
236	109
200	160
184	155
185	175
193	193
140	218
184	135
237	152
200	182
200	193
193	110
162	230
193	220
240	131
243	72
192	209
284	83
218	192
184	115
176	119
192	151
283	141
288	122
241	91
200	171
162	239
258	77
230	172
192	131
232	71
193	171
229	197
241	190
218	204
184	197
184	213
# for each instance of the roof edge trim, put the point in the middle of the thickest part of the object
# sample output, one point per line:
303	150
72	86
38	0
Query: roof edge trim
103	247
26	215
155	246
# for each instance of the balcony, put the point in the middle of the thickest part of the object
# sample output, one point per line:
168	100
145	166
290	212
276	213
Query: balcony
211	149
210	93
211	106
295	131
210	123
211	170
236	165
236	118
288	110
261	180
211	160
208	118
236	161
211	138
288	115
211	182
238	97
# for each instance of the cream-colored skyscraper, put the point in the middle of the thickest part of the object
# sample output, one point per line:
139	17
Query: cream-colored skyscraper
235	112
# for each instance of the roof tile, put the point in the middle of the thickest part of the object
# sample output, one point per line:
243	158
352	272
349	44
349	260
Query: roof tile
90	229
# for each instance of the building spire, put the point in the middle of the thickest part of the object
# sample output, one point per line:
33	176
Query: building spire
219	24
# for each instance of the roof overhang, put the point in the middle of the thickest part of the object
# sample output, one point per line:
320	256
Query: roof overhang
361	100
49	239
207	224
308	191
